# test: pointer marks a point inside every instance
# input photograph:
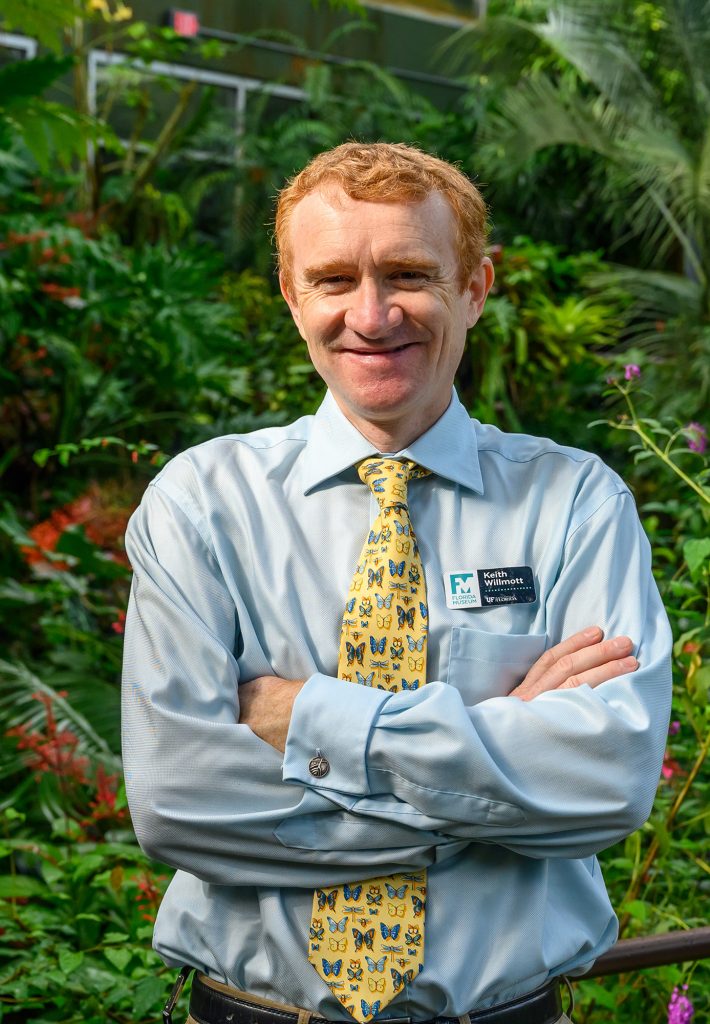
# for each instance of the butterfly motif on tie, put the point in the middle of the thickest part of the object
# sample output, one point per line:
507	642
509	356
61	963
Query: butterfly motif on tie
416	664
383	602
405	615
414	685
378	646
328	898
396	909
366	607
397	568
376	984
333	968
402	528
316	929
337	926
373	538
354	971
418	905
375	965
396	894
424	610
413	936
363	937
350	605
414	575
338	945
375	577
389	933
401	979
369	1011
384	621
352	892
376	485
354	653
374	896
397	648
415	645
403	547
366	680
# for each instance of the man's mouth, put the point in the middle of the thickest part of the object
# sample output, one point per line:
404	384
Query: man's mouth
379	351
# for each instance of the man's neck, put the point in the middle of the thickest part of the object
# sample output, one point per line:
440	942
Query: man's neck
392	437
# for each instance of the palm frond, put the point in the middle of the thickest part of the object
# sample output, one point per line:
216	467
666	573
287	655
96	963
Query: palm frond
19	707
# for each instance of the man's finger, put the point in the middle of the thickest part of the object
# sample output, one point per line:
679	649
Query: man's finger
602	659
601	674
576	642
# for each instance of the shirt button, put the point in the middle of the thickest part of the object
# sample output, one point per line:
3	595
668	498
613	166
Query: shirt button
319	766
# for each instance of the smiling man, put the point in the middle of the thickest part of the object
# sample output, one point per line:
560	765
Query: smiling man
420	846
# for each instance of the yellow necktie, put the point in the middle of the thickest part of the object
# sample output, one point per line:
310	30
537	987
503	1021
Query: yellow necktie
367	939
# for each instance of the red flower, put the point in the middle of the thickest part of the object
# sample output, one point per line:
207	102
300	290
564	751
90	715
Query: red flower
670	768
52	750
59	291
119	625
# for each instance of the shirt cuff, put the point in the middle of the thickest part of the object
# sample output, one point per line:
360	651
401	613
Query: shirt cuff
332	720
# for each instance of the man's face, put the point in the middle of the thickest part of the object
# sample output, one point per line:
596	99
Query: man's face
375	292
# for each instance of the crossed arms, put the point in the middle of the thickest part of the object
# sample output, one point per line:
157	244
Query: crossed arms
565	770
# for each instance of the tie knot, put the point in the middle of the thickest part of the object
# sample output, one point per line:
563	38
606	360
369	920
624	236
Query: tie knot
388	478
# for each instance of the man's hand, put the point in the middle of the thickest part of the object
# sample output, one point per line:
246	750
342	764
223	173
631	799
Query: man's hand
265	705
585	657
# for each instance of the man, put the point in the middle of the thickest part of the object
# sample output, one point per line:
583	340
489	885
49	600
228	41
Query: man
257	766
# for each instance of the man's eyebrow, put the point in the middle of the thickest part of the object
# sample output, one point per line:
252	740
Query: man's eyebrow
334	268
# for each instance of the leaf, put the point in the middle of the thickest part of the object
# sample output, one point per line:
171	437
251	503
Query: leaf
148	996
695	553
20	887
637	909
29	78
119	958
70	960
111	937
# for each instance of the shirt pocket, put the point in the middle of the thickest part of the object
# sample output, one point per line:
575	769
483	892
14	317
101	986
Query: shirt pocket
483	665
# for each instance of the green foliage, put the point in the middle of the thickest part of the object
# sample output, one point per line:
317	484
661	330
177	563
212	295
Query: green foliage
139	315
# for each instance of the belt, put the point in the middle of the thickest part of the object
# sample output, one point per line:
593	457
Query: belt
214	1003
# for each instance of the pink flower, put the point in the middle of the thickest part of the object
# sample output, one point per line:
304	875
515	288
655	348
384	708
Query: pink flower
673	728
680	1008
670	768
631	370
697	437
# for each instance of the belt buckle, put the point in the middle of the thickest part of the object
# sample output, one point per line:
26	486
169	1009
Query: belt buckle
177	988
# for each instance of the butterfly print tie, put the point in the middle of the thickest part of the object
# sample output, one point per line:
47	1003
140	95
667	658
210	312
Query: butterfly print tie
367	939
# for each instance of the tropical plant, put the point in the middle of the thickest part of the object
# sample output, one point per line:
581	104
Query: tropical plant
630	84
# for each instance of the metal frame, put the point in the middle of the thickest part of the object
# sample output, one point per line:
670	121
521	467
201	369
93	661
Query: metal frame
240	84
15	42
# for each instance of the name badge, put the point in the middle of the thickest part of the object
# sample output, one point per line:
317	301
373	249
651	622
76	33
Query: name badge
481	588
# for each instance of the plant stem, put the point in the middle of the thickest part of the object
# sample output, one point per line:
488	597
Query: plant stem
649	443
639	876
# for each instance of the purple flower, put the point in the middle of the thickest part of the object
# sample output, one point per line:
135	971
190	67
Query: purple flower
680	1008
674	728
697	437
631	370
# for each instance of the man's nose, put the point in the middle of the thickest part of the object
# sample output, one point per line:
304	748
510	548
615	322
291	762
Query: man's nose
371	313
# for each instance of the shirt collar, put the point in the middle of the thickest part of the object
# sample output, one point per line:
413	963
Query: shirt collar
448	448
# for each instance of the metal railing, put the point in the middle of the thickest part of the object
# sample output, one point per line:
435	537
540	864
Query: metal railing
652	951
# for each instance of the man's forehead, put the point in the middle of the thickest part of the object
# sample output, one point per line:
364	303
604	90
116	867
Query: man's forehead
329	219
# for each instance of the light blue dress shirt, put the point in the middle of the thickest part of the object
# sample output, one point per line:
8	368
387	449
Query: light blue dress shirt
243	549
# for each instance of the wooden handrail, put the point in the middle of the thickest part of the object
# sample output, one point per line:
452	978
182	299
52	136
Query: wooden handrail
652	951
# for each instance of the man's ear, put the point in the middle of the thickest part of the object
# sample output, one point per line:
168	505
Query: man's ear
287	293
478	288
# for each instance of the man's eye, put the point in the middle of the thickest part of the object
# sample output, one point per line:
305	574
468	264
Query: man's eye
410	276
334	281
